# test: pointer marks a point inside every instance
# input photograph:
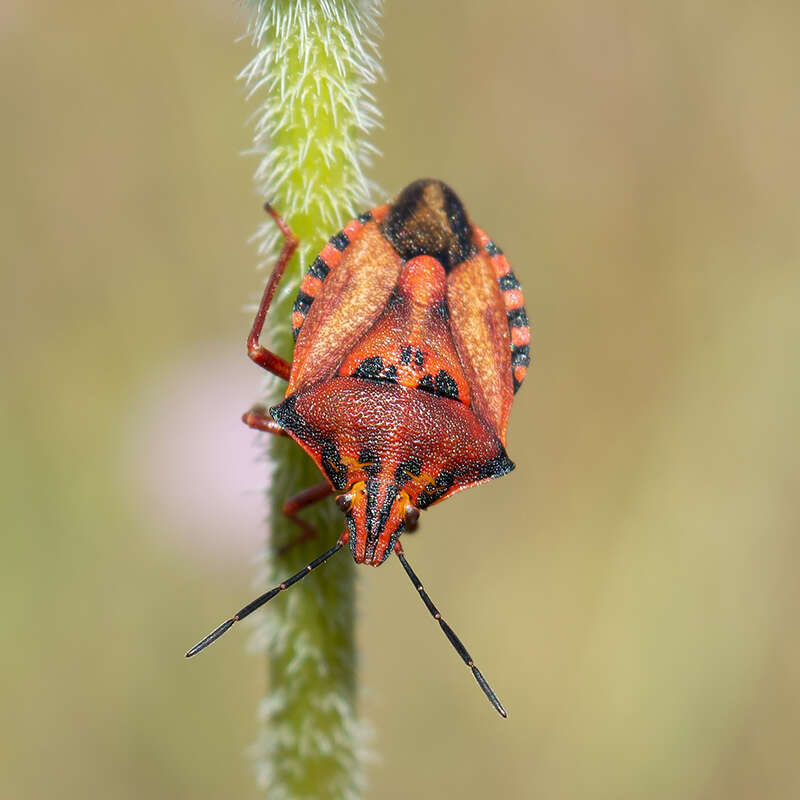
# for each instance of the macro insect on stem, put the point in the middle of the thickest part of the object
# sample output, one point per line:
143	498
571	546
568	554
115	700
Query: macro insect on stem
411	339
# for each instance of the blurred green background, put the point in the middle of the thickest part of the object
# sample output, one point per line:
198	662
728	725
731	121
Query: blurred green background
630	590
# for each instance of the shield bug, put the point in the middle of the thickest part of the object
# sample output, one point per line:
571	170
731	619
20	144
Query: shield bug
411	339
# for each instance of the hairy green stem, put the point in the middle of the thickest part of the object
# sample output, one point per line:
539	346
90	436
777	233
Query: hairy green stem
310	77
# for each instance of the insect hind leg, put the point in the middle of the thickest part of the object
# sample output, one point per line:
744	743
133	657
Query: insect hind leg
261	355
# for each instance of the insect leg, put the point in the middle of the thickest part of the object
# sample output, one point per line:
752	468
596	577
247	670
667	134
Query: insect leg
263	357
313	494
258	418
267	596
450	633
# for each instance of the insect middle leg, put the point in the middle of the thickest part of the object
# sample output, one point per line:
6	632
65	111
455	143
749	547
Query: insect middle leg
263	357
258	417
301	500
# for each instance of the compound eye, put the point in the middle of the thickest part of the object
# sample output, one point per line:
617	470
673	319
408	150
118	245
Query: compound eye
411	518
345	501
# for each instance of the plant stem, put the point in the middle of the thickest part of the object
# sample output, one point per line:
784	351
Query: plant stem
314	64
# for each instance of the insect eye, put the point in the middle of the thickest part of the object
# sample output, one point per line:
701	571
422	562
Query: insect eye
345	502
412	518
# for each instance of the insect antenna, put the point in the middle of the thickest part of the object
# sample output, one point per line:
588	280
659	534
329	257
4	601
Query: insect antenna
264	598
450	634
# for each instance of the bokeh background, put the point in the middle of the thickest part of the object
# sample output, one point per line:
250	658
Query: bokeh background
631	590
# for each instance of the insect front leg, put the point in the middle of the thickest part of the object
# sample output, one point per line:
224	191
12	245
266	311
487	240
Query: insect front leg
263	357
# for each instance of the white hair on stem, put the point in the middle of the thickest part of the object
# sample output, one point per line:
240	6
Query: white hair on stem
318	60
310	81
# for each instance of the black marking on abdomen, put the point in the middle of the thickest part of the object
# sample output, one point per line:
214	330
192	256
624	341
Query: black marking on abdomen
303	302
517	318
508	281
319	269
521	356
340	241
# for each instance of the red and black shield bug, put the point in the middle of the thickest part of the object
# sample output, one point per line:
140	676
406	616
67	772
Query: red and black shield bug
411	339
